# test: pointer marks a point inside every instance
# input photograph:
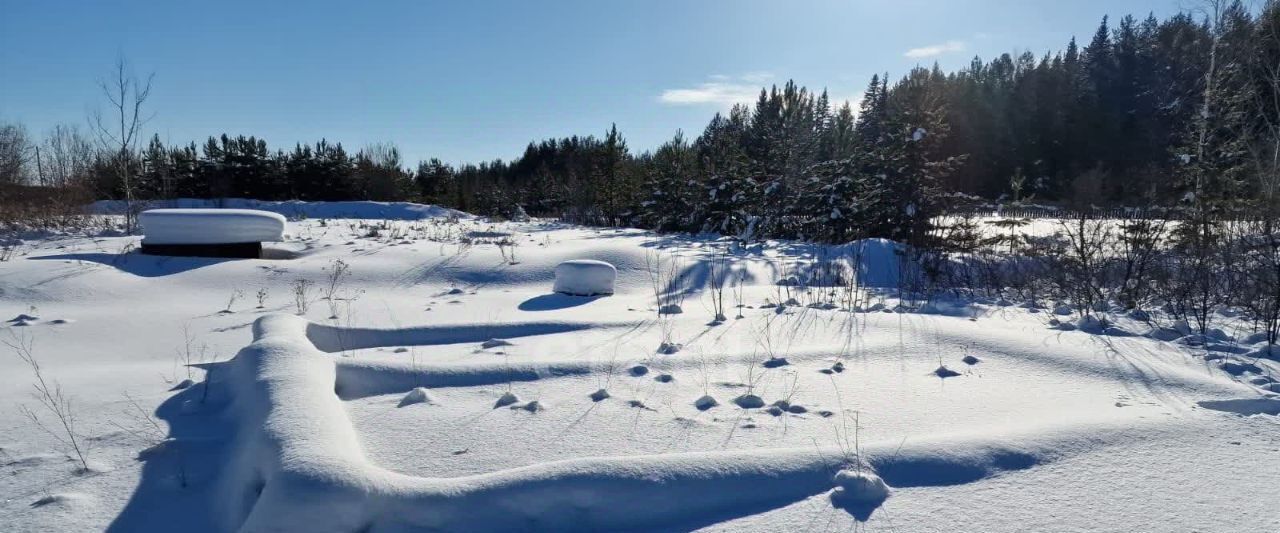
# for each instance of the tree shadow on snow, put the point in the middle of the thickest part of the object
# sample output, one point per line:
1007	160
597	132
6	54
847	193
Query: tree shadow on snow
555	301
180	473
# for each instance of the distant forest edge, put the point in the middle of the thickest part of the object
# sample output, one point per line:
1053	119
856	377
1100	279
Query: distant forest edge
1178	113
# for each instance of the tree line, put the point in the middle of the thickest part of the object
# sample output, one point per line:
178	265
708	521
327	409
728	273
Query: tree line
1180	111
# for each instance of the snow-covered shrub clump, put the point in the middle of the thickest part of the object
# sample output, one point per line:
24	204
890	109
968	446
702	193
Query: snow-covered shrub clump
585	277
859	487
210	226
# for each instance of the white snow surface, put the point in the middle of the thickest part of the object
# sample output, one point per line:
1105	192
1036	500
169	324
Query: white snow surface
294	420
585	277
210	226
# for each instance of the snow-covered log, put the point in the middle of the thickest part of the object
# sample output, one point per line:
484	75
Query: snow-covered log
585	277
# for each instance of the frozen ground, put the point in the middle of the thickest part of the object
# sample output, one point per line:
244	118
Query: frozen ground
438	322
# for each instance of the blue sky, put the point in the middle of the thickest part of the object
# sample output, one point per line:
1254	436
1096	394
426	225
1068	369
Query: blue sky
476	80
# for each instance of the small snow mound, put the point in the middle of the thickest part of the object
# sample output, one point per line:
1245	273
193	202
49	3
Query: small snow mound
1254	338
1266	352
670	309
506	399
637	404
705	402
749	401
1165	334
532	407
494	343
1236	368
1062	310
1091	324
585	277
416	396
775	362
943	372
599	395
859	487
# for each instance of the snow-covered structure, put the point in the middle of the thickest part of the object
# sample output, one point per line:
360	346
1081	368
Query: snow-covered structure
209	232
585	277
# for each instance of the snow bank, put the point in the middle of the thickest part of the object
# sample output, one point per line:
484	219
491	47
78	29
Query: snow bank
298	466
585	277
297	208
210	226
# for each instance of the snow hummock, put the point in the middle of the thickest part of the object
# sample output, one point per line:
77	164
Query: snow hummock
859	486
210	226
585	277
416	396
506	399
749	401
494	343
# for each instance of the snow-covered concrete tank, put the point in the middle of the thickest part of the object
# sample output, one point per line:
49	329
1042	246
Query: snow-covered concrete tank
585	277
209	232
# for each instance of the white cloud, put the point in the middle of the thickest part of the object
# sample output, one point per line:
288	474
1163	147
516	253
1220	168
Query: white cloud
935	50
711	93
721	90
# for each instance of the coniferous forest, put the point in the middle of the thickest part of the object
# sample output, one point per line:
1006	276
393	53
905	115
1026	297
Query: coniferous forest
1179	113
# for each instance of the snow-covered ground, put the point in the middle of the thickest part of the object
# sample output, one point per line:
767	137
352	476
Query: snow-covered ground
435	381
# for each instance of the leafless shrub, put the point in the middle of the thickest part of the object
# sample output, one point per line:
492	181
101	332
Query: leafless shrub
302	296
718	275
235	296
52	401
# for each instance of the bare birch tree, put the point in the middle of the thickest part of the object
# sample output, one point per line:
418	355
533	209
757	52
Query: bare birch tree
119	129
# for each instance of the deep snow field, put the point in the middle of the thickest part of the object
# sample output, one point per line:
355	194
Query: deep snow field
555	412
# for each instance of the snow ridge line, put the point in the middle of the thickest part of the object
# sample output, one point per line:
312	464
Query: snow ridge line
298	465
